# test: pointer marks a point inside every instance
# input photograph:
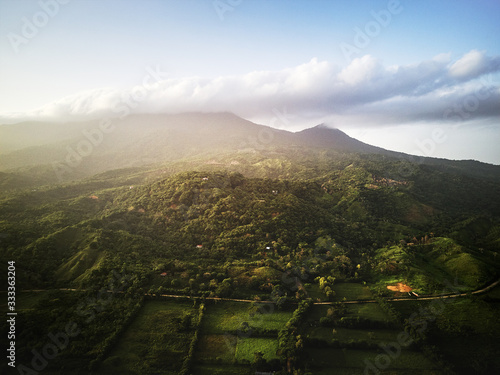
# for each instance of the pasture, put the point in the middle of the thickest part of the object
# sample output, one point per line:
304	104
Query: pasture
230	317
370	311
246	348
154	343
351	291
348	334
231	332
216	348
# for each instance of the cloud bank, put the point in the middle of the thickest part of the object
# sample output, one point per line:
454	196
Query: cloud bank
363	93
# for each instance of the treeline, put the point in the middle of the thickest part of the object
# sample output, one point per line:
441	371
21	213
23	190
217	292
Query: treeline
290	343
186	365
105	347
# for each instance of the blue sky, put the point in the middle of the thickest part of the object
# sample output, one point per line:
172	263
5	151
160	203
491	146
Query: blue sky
421	68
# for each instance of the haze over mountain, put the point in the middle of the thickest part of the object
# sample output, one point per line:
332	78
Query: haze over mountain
51	152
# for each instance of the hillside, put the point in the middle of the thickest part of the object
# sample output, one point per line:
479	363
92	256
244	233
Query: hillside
327	232
34	154
236	217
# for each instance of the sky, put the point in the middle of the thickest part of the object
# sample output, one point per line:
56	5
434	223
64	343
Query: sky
421	77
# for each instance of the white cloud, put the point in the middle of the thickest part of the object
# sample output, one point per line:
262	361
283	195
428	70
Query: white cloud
365	91
361	70
471	65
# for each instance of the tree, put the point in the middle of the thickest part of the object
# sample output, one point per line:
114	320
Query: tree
225	288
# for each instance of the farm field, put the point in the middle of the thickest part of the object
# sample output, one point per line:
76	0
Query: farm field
368	311
347	334
227	317
231	332
224	317
371	311
216	348
154	343
350	350
351	291
246	347
354	361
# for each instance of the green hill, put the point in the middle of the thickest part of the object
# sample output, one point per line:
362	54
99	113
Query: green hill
200	206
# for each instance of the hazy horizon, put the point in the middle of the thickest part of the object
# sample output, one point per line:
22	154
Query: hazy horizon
420	78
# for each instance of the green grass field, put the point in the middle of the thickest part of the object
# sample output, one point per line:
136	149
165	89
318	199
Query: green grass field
270	318
440	259
346	334
351	291
226	317
248	346
216	348
152	344
222	340
371	311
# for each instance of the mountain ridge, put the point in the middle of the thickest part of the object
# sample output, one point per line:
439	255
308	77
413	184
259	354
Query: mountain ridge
81	149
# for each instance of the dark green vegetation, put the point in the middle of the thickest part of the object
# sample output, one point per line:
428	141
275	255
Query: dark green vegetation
294	219
465	330
157	342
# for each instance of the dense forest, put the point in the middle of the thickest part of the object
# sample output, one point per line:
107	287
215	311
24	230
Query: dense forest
298	230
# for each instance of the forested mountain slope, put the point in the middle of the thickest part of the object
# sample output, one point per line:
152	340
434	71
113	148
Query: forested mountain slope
34	154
